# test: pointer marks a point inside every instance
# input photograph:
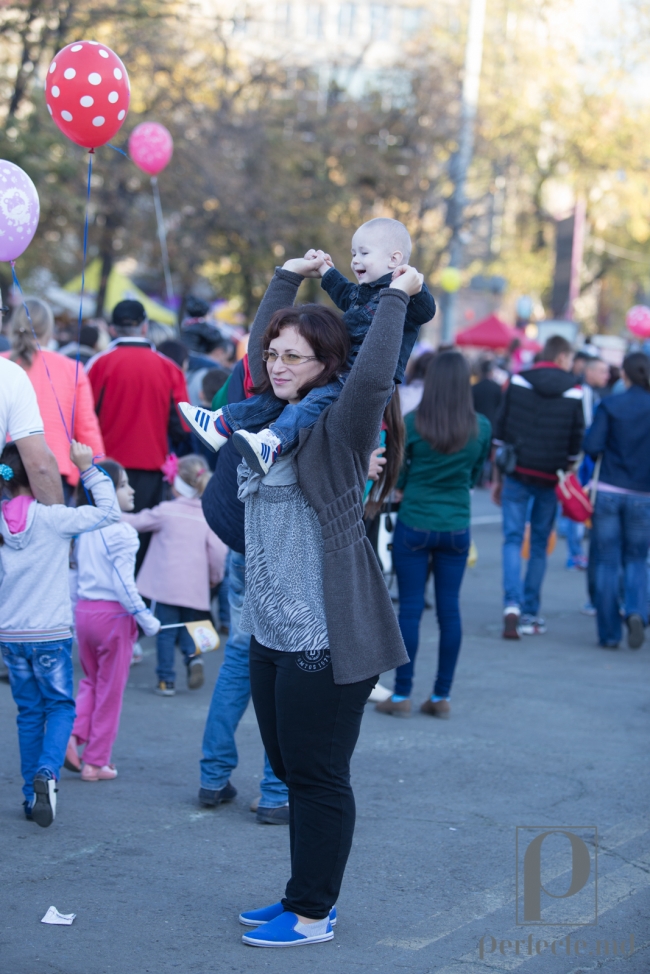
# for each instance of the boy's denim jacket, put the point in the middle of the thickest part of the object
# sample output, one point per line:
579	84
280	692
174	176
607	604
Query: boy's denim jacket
359	304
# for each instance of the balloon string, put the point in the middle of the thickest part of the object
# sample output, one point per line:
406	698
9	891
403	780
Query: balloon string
38	346
163	239
89	498
86	491
83	288
117	149
67	433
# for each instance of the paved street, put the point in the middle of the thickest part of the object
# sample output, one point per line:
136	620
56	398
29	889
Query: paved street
551	731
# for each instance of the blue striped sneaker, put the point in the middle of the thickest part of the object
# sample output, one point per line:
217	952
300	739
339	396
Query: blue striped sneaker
288	931
259	450
255	918
202	422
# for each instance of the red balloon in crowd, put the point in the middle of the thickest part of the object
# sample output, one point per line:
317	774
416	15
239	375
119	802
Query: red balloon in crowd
638	320
87	93
151	147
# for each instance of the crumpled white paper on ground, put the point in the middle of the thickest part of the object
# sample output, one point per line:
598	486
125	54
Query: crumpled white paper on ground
53	916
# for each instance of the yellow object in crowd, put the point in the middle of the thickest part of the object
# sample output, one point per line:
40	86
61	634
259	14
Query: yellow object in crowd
472	557
525	547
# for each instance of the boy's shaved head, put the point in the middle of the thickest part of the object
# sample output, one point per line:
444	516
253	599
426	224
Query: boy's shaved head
391	232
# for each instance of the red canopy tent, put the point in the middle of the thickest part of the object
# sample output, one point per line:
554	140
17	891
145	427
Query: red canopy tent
493	333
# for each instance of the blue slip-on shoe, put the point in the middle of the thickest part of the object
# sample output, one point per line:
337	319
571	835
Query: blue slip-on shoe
287	931
255	918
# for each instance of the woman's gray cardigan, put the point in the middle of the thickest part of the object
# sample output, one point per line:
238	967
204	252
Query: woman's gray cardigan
331	463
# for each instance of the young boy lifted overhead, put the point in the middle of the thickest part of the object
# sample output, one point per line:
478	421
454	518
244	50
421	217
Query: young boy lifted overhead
379	248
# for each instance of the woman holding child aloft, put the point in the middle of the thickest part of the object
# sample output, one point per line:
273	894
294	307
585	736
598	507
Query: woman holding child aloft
322	620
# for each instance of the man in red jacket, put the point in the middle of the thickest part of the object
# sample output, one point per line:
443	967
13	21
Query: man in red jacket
136	393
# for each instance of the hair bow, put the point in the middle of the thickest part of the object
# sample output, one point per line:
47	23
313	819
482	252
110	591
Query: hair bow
6	472
170	467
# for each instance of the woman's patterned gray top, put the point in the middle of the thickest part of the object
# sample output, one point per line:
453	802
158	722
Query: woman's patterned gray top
283	606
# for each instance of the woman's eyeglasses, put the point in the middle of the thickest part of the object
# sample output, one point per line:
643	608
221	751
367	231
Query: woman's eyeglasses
287	358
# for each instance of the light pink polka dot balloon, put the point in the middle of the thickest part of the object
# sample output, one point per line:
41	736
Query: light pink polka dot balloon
87	93
638	320
151	147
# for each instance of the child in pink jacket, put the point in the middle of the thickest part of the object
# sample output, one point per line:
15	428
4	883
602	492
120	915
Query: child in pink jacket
184	559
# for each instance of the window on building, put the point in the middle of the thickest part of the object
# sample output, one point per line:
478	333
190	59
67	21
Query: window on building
347	19
315	20
379	21
239	19
283	18
411	20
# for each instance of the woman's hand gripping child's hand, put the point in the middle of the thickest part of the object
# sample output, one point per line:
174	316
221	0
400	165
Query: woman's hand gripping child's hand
407	279
305	266
325	260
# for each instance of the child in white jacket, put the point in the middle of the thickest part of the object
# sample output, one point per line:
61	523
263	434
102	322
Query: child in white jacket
108	603
183	560
36	616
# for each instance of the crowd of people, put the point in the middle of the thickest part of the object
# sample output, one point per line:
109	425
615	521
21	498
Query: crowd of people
148	486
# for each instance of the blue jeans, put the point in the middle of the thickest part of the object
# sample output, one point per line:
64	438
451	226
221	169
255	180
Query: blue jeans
521	502
573	531
231	695
282	418
41	684
222	597
166	640
620	537
413	553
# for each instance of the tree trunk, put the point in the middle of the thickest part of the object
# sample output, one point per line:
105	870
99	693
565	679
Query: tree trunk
107	267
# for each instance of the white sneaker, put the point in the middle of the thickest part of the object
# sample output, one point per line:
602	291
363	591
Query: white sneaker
259	450
137	654
202	423
511	616
379	693
532	625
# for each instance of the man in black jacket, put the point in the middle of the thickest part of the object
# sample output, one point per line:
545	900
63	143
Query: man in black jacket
225	515
538	432
486	393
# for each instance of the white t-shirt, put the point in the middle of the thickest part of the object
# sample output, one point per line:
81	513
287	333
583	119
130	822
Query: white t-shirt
19	415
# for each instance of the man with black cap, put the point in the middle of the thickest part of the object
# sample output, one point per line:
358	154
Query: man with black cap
137	392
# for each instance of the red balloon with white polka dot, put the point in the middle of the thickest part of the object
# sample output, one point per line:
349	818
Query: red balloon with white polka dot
87	93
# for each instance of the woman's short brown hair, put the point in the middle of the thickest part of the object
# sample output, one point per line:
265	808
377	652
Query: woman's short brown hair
325	332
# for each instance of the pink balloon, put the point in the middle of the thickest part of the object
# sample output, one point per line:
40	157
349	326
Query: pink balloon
19	210
151	147
638	320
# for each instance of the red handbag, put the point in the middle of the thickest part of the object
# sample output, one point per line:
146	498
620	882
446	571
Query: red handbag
575	501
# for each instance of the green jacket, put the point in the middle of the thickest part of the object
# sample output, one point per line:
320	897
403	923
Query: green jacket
436	485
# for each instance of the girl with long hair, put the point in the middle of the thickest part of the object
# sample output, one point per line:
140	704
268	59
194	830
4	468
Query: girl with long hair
446	446
107	607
